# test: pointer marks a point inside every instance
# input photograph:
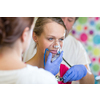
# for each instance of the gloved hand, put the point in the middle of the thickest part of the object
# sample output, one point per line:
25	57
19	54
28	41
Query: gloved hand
54	66
76	72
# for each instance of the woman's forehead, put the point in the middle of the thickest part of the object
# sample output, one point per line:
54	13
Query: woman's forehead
53	28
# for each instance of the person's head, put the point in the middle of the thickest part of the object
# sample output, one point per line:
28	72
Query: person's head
49	30
15	30
69	22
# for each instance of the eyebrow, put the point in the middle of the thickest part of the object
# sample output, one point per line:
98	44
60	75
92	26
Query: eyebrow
63	37
54	36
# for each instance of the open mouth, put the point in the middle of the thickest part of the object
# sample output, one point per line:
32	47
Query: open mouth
53	51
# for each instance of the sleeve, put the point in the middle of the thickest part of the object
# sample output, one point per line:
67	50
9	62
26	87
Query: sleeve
41	76
82	57
45	77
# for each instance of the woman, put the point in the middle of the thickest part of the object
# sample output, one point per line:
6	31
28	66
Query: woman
48	31
15	36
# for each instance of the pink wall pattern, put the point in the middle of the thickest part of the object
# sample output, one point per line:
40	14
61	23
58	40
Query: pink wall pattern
87	30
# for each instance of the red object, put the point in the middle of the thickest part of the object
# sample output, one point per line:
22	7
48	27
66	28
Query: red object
93	59
63	70
99	60
83	37
85	27
97	18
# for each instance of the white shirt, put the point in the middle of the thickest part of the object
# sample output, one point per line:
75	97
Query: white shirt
74	52
27	75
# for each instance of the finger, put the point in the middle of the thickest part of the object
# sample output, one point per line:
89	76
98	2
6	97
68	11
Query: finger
68	73
59	59
73	78
49	57
68	77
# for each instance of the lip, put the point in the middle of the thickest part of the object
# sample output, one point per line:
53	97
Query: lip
53	51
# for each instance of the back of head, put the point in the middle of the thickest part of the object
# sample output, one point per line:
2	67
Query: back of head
11	28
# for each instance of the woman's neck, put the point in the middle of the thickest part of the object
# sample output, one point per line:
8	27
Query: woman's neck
10	59
37	60
11	52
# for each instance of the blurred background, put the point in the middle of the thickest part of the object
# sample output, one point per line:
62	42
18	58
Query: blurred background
87	31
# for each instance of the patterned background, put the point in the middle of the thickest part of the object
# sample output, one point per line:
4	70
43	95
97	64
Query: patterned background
87	30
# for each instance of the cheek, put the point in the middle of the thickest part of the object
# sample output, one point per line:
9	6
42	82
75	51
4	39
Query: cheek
69	26
43	44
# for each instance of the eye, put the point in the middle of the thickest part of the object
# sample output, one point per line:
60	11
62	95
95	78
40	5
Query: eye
61	39
70	20
50	39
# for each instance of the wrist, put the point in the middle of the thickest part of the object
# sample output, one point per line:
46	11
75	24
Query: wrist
85	71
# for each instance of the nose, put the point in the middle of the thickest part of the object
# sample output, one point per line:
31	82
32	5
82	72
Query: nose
56	45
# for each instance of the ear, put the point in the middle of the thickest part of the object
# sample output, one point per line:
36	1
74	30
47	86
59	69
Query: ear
25	34
35	37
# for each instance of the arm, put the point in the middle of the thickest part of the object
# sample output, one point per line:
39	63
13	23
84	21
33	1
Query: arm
83	58
79	72
88	79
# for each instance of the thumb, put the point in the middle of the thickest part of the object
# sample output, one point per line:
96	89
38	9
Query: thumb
49	57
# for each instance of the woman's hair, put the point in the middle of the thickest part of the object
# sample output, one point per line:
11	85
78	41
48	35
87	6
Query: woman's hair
76	18
11	28
41	21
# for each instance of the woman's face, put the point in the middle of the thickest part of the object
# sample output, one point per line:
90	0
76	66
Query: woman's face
53	35
68	21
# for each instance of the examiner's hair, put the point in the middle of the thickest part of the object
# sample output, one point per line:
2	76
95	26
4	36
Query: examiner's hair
11	28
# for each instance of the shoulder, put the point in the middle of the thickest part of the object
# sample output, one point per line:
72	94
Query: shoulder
73	41
70	38
37	75
73	44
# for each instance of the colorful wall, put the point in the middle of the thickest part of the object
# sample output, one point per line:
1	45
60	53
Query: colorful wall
87	30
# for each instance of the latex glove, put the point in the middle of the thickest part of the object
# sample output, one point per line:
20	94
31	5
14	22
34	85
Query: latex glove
76	72
54	66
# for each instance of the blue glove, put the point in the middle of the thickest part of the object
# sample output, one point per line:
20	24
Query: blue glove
54	66
76	72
